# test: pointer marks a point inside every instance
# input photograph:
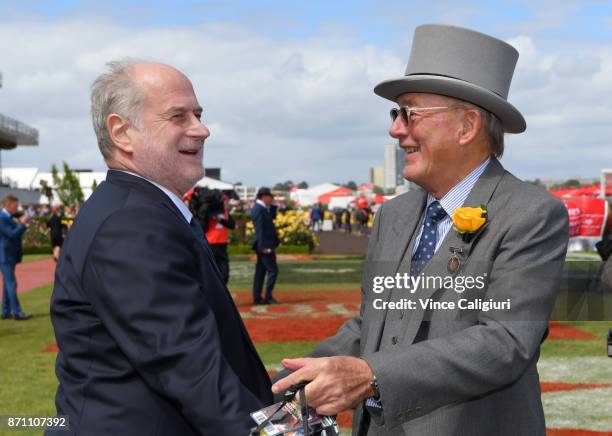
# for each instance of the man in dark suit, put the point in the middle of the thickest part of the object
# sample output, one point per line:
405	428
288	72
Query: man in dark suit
10	255
150	341
266	241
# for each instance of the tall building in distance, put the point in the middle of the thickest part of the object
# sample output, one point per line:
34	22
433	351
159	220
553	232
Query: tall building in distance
391	175
394	166
377	176
399	167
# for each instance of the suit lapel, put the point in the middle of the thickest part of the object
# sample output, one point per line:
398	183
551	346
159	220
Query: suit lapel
396	254
405	229
438	266
122	178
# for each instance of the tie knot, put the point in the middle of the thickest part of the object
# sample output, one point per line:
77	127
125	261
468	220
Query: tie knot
435	212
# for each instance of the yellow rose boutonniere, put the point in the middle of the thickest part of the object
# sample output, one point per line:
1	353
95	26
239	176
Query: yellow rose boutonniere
468	220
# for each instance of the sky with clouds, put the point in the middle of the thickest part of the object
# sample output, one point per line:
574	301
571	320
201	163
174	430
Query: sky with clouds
287	86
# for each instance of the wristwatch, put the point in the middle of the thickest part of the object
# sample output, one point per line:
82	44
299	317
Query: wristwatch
374	386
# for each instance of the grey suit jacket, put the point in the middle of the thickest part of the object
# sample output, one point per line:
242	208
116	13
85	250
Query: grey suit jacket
461	372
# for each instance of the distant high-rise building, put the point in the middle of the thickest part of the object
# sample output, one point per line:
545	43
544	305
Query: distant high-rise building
399	167
377	176
390	166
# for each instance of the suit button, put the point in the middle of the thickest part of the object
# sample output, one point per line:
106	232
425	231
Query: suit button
394	340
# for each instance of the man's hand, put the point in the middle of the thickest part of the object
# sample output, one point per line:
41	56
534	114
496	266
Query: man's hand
336	383
24	219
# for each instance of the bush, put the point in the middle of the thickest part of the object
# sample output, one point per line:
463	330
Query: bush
291	228
37	249
37	233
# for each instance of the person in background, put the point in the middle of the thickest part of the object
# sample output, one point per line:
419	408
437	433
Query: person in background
347	219
338	212
217	234
266	241
12	226
56	230
316	217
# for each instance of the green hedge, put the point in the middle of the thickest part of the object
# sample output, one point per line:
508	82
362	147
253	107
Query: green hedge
37	249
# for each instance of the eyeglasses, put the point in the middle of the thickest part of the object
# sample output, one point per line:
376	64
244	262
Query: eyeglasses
407	113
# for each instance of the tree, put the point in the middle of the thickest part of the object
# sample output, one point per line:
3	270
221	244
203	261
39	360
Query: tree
302	185
378	190
94	185
46	190
351	185
68	187
571	183
286	186
536	182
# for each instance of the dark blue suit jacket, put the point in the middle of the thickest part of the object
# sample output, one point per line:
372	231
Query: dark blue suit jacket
265	232
10	240
150	340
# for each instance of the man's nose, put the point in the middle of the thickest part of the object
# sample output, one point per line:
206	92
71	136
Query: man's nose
199	130
398	128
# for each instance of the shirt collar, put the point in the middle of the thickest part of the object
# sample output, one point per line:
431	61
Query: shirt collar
261	203
4	211
178	202
459	193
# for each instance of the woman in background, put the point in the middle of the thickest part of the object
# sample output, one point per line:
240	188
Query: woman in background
57	228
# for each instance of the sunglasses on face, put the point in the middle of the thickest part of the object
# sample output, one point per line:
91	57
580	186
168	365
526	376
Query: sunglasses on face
408	113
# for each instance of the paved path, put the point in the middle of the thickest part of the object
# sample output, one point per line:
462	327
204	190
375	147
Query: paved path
337	242
33	274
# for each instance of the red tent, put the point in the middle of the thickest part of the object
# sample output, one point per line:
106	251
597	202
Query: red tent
378	198
340	192
588	191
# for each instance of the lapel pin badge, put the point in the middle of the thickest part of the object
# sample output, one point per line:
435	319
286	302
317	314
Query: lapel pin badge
454	262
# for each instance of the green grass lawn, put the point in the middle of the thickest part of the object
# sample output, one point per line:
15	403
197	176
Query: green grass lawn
580	348
32	257
27	374
318	274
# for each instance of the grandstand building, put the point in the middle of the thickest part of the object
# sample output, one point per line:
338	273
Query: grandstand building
14	133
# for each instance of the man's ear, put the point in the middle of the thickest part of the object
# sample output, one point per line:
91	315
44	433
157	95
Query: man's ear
470	126
118	131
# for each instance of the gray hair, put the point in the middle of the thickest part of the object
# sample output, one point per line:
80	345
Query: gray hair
495	131
114	92
493	127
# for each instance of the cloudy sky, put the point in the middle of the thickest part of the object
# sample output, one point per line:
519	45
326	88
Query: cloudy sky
287	86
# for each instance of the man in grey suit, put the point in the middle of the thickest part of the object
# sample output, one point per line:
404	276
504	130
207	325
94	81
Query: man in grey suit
455	302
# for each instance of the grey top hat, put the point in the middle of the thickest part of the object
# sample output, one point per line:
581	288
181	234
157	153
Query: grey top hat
460	63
